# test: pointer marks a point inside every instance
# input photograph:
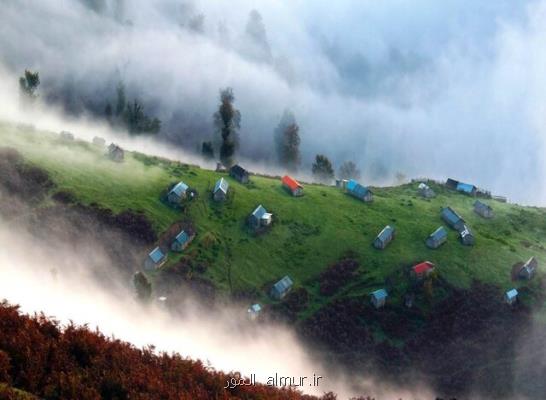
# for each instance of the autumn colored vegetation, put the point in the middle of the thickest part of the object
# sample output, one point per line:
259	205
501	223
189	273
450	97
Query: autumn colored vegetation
39	357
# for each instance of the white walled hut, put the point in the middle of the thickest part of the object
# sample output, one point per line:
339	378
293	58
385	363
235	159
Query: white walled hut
386	236
220	191
259	218
466	236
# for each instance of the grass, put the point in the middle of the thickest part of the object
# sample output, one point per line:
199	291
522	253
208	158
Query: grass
308	232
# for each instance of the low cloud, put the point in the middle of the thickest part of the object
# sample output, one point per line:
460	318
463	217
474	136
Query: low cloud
427	89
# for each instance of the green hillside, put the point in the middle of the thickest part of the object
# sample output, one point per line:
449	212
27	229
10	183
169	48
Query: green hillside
308	234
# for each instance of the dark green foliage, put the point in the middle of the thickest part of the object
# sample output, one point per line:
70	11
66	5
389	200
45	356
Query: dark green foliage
322	169
227	121
143	287
138	122
108	112
287	141
28	84
207	151
349	170
121	101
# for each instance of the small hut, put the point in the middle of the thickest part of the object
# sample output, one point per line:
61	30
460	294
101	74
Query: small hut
422	270
281	288
467	188
483	209
259	218
292	185
254	311
466	236
66	136
453	219
115	153
220	191
378	298
156	258
425	191
355	189
239	173
178	193
384	237
528	270
181	241
99	142
511	297
437	238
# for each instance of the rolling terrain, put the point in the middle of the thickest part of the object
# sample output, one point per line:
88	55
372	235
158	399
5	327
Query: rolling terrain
316	233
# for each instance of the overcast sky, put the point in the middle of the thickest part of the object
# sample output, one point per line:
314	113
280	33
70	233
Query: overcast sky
426	88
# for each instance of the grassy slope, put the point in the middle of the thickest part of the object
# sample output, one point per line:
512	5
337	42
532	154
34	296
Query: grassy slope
309	232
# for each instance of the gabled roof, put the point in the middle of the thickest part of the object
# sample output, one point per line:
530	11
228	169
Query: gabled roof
238	170
291	182
179	188
221	184
451	216
531	264
379	294
283	285
259	212
465	187
156	255
439	233
182	237
481	205
386	233
512	293
356	188
423	267
255	308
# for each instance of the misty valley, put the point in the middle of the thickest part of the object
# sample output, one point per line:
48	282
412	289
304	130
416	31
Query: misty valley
282	200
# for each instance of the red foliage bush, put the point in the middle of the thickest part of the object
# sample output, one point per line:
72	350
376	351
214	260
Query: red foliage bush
76	363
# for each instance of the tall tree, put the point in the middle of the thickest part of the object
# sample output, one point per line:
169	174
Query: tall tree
322	169
138	122
207	150
108	112
143	287
257	43
227	121
121	101
349	170
287	142
28	84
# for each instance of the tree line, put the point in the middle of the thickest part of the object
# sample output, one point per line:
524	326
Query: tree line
130	115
